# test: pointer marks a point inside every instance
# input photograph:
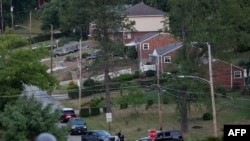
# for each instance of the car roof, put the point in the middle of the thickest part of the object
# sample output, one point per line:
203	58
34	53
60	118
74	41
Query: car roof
67	109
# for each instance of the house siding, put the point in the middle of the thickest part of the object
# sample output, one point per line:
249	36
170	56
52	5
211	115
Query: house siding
223	74
158	41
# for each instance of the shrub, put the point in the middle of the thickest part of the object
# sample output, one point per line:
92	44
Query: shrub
150	102
84	55
89	82
207	116
124	106
95	111
72	85
150	73
73	93
137	74
126	77
245	90
84	112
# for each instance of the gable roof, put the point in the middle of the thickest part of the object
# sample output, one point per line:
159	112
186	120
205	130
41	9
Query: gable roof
143	9
167	48
146	36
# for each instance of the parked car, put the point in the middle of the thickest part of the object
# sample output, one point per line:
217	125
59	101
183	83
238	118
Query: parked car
66	114
60	52
71	50
76	126
165	135
98	135
93	55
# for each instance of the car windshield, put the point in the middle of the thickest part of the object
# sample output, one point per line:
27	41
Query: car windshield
104	133
78	122
69	112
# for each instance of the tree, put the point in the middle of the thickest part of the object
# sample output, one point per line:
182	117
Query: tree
20	67
28	118
20	11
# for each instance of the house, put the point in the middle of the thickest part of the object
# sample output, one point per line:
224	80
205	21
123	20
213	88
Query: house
224	74
163	56
40	3
147	19
146	44
227	75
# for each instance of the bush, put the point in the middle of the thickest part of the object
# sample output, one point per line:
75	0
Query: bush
245	90
95	111
126	77
89	82
137	74
124	106
84	112
84	55
150	102
73	93
207	116
72	85
150	73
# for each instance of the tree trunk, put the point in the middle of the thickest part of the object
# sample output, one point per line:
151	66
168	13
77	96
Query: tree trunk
106	83
183	110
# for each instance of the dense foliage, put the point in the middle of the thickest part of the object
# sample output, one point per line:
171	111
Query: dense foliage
29	117
20	67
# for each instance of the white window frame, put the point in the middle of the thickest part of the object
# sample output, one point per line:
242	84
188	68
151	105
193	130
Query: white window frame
145	44
127	35
167	58
237	74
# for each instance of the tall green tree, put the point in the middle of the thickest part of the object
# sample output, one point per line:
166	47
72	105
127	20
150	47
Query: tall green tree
25	120
20	67
21	9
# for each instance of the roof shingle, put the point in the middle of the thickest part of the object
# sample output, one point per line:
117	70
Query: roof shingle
143	9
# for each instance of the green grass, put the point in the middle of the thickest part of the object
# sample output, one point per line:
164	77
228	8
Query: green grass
135	122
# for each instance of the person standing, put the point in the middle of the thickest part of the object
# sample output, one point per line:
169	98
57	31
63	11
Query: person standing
120	135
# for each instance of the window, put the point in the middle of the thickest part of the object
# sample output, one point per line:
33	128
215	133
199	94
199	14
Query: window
167	59
127	35
237	74
93	26
145	46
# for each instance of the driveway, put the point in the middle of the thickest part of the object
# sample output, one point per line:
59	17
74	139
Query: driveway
42	96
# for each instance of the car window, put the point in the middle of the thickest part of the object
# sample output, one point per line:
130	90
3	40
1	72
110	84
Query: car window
78	122
167	134
69	112
104	133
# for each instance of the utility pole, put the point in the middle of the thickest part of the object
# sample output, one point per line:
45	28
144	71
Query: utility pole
80	75
51	48
1	10
30	30
212	90
159	90
11	12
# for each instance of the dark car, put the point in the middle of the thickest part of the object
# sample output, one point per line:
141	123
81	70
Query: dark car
98	135
76	126
67	113
165	135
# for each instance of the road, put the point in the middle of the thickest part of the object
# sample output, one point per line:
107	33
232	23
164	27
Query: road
45	98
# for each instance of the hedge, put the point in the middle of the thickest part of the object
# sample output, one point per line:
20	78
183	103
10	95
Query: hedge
94	111
84	112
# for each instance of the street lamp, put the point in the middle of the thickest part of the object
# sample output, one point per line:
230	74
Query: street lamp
29	28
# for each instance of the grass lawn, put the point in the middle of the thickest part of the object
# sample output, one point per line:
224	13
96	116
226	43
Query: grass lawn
136	121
